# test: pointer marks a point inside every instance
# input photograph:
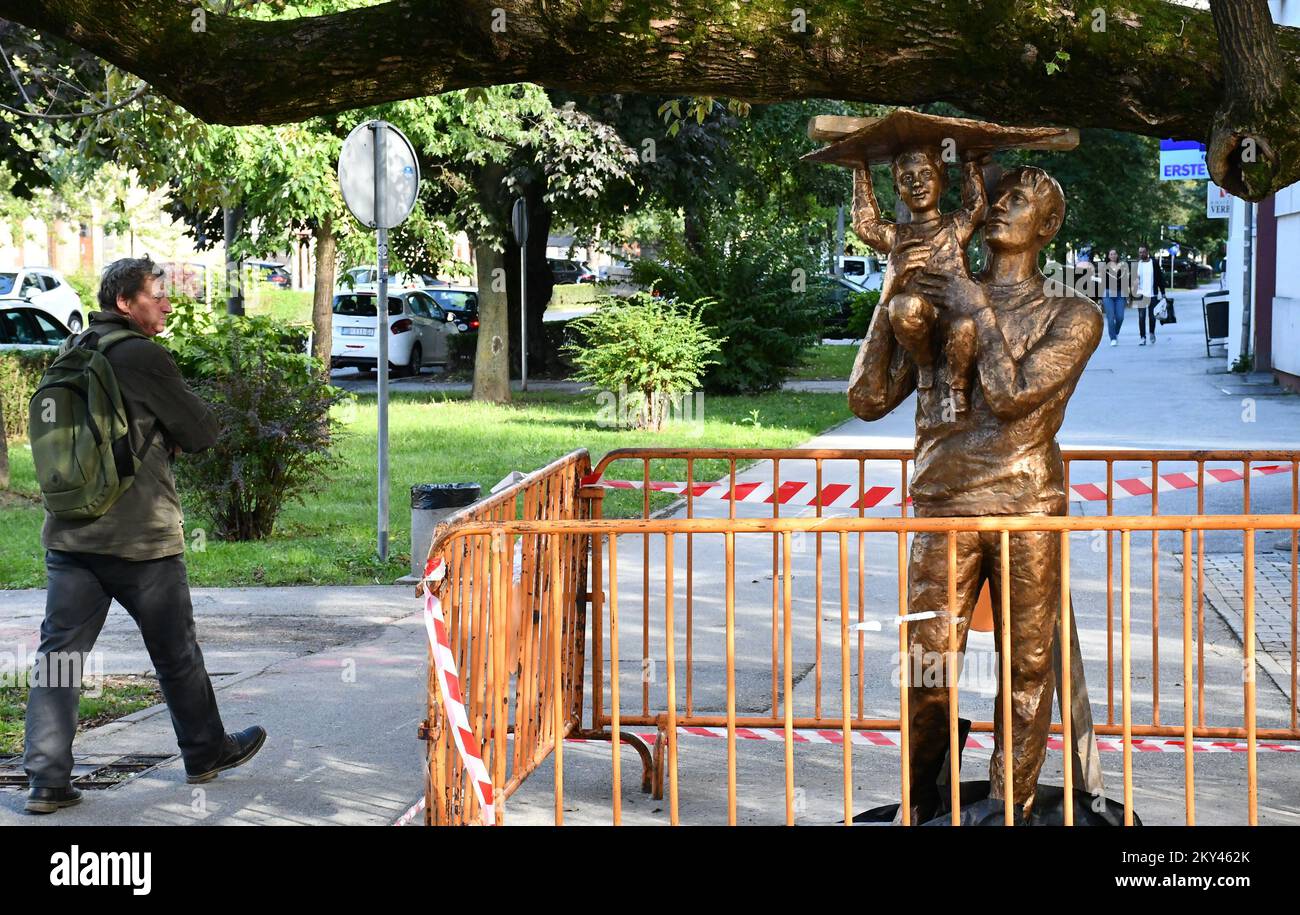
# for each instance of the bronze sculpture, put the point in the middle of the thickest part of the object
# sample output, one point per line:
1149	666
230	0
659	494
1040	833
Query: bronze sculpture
997	457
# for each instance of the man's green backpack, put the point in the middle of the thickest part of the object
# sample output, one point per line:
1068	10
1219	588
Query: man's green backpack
80	431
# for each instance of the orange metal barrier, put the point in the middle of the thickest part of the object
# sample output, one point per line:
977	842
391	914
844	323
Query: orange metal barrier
563	532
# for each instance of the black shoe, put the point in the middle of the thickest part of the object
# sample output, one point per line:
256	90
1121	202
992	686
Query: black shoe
239	749
48	800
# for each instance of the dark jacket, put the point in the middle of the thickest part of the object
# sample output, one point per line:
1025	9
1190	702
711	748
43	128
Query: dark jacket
146	522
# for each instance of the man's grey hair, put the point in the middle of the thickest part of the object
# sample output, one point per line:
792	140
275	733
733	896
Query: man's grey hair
125	278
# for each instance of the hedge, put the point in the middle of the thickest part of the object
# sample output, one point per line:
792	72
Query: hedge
20	373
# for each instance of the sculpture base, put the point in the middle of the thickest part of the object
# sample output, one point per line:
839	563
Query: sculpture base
978	809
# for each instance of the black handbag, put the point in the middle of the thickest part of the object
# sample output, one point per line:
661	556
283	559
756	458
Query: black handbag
1164	311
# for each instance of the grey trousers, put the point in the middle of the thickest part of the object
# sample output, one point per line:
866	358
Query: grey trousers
156	593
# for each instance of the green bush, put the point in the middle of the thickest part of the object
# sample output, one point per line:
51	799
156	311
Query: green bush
861	307
273	405
85	283
20	373
647	349
763	298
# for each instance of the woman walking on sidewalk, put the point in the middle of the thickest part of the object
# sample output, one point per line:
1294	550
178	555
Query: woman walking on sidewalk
1150	285
1114	278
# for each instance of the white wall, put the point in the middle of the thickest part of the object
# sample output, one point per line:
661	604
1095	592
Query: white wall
1286	304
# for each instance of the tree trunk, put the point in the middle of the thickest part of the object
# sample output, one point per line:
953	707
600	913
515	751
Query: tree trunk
322	302
492	357
232	219
1155	67
4	449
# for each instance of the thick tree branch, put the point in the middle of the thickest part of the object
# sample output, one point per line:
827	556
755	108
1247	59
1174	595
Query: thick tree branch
1155	69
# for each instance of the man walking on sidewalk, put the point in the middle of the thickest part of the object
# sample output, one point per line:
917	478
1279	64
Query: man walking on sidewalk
1150	280
133	552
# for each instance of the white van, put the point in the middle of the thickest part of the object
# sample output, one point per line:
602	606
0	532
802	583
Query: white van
862	270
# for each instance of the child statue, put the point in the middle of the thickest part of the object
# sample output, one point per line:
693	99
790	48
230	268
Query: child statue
920	176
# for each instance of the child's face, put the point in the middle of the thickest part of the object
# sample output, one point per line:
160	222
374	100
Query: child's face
919	182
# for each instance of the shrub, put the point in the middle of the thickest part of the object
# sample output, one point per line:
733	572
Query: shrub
653	349
460	351
861	307
273	405
85	283
762	298
20	373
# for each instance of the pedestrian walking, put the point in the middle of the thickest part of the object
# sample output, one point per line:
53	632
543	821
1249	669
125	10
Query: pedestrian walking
1149	285
107	422
1114	280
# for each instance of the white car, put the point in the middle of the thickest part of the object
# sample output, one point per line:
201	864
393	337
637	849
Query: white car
417	327
863	271
24	327
362	277
43	288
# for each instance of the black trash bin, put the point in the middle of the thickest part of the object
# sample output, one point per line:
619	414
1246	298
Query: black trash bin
430	504
1214	307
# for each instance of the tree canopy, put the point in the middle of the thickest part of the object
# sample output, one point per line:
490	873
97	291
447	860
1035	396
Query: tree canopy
1154	67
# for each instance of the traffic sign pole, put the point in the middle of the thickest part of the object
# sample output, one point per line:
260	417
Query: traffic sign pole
519	226
381	326
380	197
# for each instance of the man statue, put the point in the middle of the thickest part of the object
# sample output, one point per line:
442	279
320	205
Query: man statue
1000	457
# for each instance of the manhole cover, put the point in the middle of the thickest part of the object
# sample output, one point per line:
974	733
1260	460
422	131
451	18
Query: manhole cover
88	772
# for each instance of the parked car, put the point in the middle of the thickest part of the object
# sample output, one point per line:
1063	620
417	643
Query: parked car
271	272
417	327
46	289
369	276
587	275
619	270
23	327
460	303
566	271
862	270
1190	274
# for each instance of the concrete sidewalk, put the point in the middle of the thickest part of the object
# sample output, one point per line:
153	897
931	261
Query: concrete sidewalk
335	674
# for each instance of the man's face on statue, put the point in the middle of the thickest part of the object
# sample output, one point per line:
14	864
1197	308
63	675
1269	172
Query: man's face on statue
919	181
1021	217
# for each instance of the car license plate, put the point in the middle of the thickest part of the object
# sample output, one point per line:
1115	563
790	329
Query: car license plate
357	331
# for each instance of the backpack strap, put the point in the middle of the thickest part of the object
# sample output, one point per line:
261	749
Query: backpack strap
103	342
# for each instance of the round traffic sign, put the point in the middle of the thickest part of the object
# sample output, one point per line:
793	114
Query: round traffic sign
357	175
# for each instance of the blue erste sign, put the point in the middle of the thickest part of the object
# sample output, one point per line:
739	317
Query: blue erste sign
1182	160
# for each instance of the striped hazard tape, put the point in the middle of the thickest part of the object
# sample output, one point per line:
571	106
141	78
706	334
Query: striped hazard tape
843	495
975	741
444	663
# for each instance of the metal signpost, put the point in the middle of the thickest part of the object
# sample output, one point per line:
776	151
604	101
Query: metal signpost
380	177
519	226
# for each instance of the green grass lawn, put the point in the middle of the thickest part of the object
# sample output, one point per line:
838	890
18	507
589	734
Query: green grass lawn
435	437
826	363
117	696
292	306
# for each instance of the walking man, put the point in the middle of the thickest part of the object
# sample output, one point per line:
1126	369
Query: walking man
1149	282
132	553
999	458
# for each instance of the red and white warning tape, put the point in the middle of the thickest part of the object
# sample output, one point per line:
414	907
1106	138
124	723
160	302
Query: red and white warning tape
976	741
444	663
843	495
411	813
